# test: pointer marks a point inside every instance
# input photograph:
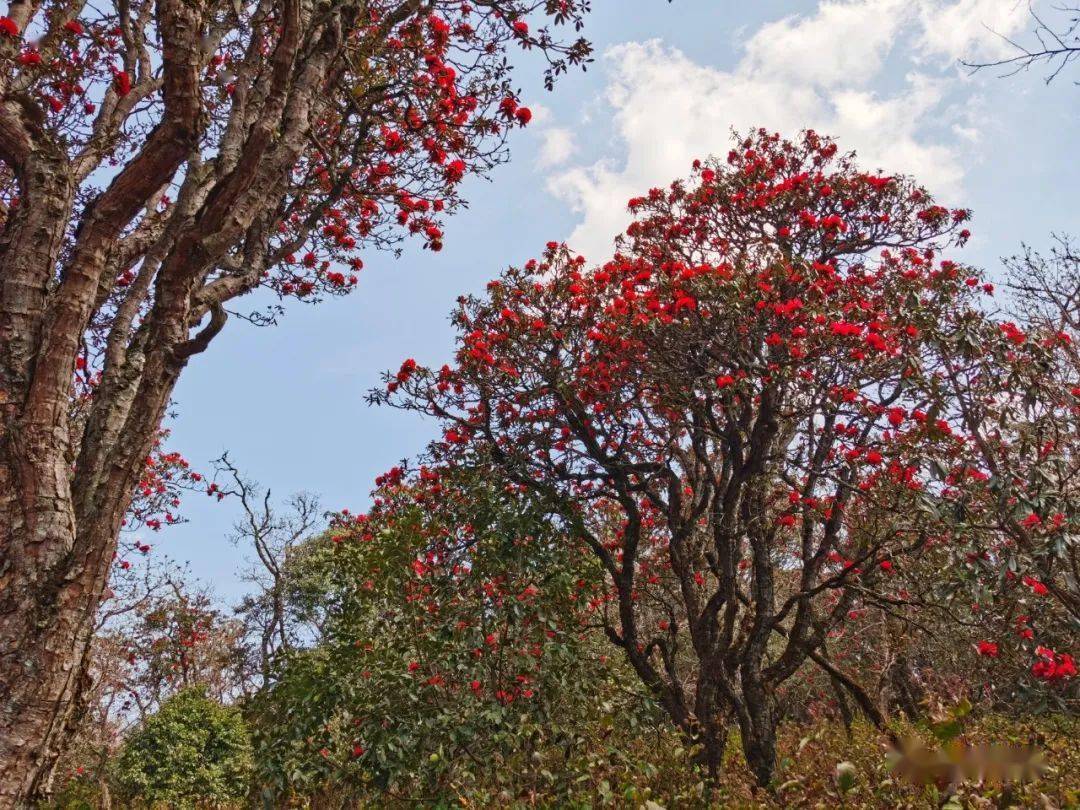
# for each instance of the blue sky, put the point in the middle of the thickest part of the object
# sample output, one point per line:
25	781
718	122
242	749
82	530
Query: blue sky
669	82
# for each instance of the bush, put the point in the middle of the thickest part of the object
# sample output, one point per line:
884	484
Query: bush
451	658
193	751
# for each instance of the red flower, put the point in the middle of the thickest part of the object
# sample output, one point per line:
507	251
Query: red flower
508	106
873	457
845	329
455	171
75	27
1053	666
833	222
724	380
877	341
521	28
413	666
988	648
886	565
30	57
8	26
523	115
123	83
1037	587
406	370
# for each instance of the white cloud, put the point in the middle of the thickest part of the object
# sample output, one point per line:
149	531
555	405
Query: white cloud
842	44
971	29
822	71
558	147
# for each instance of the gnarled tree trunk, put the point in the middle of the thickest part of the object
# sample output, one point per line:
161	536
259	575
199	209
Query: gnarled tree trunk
230	138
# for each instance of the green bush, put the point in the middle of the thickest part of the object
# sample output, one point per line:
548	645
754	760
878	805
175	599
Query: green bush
450	659
193	751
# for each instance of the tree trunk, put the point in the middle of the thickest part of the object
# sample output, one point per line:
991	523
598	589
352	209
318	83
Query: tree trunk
713	742
900	688
757	725
46	623
53	577
842	704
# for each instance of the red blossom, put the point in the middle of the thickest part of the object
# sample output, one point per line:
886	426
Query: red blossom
122	82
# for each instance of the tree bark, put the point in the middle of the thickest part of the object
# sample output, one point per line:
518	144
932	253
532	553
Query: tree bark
758	719
59	532
46	622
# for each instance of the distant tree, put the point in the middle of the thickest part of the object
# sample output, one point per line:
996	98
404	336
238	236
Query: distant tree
275	534
157	161
743	414
192	752
156	634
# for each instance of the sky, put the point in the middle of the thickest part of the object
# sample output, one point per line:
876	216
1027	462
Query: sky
669	83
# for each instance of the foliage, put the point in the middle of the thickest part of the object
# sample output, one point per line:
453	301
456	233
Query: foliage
453	648
779	451
193	751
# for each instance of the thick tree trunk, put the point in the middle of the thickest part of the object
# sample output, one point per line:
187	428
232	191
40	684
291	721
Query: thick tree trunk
900	688
53	576
46	621
713	744
757	726
43	632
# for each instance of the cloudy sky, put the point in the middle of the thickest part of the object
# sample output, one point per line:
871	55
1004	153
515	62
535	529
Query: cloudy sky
669	83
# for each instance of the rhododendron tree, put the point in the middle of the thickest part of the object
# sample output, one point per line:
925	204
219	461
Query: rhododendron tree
158	160
997	594
740	414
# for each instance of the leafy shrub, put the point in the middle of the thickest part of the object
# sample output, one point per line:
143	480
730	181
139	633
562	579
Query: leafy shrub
193	751
451	655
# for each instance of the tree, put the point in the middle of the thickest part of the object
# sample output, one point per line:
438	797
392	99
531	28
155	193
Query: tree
276	536
157	161
454	652
1014	386
191	752
155	635
737	414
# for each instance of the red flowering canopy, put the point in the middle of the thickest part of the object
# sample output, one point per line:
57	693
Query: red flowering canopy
736	412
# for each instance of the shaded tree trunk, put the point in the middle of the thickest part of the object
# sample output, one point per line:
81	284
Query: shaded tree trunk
757	725
53	577
900	688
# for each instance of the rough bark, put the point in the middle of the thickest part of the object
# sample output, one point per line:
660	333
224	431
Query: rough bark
56	551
